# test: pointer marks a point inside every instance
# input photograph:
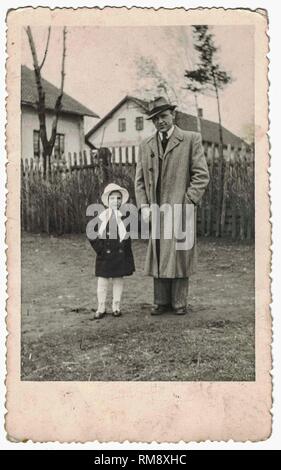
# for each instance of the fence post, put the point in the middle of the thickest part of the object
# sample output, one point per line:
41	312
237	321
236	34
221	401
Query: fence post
126	155
26	171
219	188
38	185
233	193
210	162
239	198
113	158
85	158
47	219
252	192
133	155
225	171
120	157
23	196
218	165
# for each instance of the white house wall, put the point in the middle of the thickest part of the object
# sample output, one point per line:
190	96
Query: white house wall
69	125
108	135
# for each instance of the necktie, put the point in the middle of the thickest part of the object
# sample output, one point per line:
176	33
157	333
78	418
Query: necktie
164	140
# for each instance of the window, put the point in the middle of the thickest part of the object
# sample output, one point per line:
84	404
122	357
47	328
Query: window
121	125
59	145
139	123
36	144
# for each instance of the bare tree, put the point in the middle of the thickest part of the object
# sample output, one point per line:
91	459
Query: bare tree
195	89
155	82
47	143
185	40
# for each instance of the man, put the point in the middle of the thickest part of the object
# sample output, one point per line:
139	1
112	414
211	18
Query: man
171	169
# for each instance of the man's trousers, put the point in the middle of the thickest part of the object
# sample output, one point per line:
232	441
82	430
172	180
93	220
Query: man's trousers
171	292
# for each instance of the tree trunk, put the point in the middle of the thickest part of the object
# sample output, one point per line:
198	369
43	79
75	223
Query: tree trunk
47	144
45	159
221	163
197	113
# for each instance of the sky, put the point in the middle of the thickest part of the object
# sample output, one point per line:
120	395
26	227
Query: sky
102	66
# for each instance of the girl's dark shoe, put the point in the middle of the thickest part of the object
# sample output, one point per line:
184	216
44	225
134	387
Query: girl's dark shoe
117	313
98	315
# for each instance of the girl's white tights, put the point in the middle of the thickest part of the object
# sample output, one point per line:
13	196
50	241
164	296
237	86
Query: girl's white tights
102	293
118	283
102	289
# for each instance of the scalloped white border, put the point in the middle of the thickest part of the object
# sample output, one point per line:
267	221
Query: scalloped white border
275	229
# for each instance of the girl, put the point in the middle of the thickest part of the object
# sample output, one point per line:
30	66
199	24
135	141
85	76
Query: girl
113	248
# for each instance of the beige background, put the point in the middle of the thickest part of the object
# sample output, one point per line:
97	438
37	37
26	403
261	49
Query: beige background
106	74
154	411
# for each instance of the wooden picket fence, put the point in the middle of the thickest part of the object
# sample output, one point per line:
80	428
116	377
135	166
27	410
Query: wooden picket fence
237	217
58	204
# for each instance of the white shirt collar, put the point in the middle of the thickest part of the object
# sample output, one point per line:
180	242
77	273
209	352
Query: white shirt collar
169	132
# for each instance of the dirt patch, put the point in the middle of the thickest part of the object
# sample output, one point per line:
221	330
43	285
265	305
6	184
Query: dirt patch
60	341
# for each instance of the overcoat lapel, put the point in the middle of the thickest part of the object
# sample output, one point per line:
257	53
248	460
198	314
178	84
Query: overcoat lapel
156	152
174	140
153	144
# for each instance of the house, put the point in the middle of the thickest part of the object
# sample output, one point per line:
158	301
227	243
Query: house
126	126
70	129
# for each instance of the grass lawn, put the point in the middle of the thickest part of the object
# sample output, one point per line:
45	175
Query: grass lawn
60	341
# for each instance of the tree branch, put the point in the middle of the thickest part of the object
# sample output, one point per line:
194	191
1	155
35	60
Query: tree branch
46	49
59	98
35	65
32	47
63	60
41	94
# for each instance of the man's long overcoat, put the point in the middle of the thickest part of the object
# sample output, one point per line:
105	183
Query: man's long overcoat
184	179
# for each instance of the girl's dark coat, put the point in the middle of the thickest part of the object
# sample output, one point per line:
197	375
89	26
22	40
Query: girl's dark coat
114	257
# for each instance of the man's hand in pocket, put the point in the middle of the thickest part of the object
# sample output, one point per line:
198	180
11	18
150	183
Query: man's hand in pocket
145	212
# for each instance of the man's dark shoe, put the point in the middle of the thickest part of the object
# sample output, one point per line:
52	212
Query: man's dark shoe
180	311
160	309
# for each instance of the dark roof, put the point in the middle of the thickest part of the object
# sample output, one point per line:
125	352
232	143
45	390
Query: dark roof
209	129
29	95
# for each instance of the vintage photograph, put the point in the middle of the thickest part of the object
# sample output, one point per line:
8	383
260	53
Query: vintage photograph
118	120
138	225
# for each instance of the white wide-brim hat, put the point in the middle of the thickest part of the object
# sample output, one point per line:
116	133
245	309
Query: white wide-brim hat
114	187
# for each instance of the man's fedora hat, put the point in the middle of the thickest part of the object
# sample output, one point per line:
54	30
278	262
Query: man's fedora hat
158	105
